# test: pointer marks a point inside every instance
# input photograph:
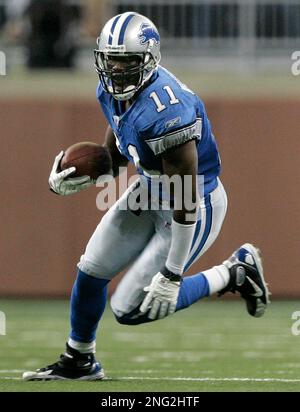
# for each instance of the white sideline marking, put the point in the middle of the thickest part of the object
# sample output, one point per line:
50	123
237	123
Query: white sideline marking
12	370
207	379
149	378
10	378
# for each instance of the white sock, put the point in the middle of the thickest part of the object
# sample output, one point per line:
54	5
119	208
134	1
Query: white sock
83	347
217	278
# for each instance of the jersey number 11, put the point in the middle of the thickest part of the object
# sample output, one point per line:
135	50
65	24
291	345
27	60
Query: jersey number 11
159	105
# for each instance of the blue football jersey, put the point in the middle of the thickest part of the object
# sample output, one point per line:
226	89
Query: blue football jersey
165	114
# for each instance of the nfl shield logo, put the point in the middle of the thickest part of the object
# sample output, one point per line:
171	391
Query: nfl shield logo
116	120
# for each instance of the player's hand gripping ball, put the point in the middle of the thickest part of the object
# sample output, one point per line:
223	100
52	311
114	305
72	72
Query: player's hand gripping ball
79	167
89	159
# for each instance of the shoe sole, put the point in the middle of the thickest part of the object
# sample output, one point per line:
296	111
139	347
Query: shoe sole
261	307
32	376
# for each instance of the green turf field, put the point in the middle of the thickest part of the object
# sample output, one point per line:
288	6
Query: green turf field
212	346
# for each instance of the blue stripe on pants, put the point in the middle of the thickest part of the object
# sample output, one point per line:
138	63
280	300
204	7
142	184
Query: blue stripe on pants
206	233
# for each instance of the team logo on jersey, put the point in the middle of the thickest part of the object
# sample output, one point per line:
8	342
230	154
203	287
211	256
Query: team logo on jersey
148	33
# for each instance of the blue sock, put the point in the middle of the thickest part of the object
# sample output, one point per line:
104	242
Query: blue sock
88	301
192	289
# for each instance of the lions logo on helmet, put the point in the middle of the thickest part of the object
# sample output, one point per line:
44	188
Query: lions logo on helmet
148	33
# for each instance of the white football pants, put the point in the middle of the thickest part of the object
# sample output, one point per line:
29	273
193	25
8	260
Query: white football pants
141	242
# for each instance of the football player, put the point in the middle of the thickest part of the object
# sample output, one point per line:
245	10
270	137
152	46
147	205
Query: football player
162	127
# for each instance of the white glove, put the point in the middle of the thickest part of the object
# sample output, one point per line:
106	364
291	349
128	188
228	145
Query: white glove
161	298
62	186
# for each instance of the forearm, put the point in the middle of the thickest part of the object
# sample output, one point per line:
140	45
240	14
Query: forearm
183	229
184	165
186	201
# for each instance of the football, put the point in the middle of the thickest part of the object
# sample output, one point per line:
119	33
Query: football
89	158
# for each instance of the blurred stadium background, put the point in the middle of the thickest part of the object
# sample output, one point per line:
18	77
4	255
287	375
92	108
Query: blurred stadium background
236	54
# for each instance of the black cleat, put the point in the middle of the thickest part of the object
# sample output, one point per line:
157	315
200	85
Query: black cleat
246	276
72	365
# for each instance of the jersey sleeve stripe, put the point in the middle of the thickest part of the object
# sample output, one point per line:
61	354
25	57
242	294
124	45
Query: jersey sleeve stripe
169	140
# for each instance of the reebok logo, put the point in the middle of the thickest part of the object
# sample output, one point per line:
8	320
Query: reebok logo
173	122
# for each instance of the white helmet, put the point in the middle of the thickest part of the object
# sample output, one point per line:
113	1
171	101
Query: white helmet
133	39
